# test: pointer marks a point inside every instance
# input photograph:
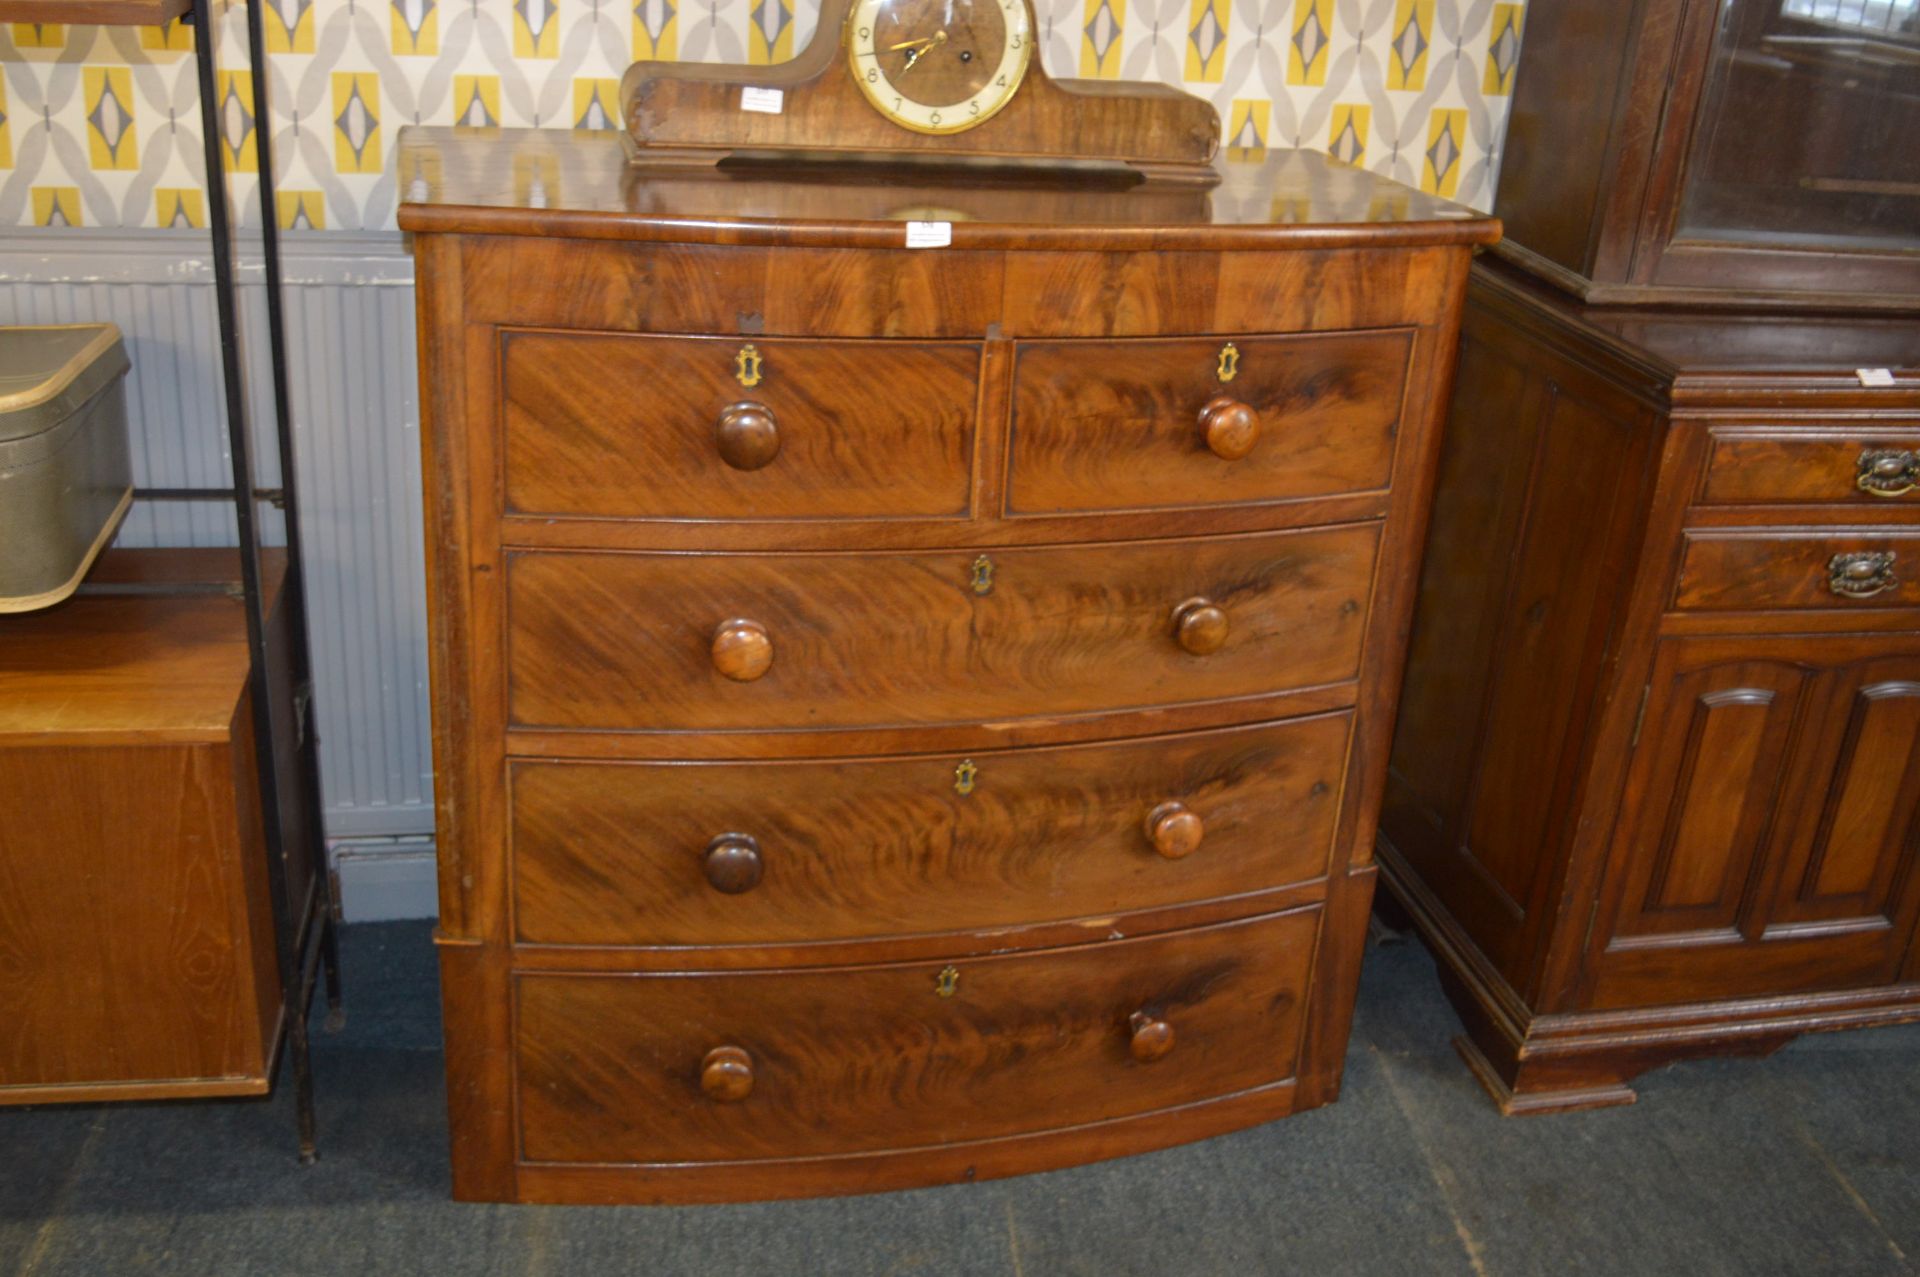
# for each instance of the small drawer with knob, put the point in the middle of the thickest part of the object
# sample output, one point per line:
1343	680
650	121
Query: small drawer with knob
1871	464
777	1065
1203	421
745	642
1808	568
742	853
617	425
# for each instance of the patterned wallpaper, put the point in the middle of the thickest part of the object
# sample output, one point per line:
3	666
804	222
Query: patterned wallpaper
100	126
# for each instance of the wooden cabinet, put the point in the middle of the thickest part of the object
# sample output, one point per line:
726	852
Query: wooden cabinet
137	949
1656	783
907	716
1718	154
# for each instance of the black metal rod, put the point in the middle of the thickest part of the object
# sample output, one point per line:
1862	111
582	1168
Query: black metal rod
270	495
292	923
299	655
226	302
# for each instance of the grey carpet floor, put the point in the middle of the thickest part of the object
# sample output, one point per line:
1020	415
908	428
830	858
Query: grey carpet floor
1805	1163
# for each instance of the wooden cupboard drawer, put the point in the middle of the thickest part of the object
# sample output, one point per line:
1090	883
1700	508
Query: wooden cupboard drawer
1150	424
753	853
639	640
1863	464
1849	568
620	425
807	1063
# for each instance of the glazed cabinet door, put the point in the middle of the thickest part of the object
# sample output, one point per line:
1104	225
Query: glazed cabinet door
1767	835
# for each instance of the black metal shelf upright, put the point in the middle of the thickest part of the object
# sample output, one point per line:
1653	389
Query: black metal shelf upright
305	928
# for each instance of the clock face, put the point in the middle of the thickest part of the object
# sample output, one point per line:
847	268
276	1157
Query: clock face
939	66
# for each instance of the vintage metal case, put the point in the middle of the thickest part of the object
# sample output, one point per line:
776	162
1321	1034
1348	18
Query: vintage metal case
64	468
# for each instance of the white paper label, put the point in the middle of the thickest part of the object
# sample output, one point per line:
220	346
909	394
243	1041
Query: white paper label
765	101
929	234
1874	376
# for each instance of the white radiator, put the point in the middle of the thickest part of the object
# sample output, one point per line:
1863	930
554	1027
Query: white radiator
350	351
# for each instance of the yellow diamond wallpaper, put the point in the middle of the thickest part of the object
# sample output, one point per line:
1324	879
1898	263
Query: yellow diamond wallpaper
100	126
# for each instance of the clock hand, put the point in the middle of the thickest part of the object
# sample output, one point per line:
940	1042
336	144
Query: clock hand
908	44
914	55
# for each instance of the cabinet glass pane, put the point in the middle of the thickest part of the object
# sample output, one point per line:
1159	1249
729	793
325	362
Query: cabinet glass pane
1809	130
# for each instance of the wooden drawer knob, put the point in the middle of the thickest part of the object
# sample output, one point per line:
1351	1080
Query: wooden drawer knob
726	1074
1229	427
1152	1037
741	650
747	436
1174	830
733	863
1200	626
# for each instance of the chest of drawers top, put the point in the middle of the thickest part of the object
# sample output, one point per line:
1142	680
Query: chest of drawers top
548	183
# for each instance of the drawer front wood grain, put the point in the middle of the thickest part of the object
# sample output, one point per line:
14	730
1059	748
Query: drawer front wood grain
1874	465
798	1063
1849	569
1134	425
625	426
740	642
752	853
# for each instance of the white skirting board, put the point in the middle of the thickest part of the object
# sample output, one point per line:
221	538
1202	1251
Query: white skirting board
355	405
386	879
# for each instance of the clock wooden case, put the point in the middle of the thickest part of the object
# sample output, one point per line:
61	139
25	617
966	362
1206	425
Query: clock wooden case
687	112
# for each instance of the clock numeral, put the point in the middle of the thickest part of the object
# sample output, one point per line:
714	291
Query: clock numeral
873	75
1001	82
866	33
896	104
1016	42
934	118
973	107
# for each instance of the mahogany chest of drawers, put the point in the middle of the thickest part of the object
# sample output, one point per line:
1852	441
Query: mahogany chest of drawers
907	715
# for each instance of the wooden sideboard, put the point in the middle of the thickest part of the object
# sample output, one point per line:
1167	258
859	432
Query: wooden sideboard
906	715
1655	790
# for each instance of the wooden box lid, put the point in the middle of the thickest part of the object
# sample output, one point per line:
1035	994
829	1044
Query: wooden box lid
132	669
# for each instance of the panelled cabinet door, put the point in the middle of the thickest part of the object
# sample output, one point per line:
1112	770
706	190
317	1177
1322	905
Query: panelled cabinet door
1767	834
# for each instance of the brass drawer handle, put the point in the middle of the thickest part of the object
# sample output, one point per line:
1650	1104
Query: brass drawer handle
1174	830
742	650
733	864
1200	626
747	436
1230	428
726	1074
1861	574
1152	1037
1888	472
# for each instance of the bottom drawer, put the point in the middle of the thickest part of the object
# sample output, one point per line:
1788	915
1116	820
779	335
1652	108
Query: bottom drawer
783	1064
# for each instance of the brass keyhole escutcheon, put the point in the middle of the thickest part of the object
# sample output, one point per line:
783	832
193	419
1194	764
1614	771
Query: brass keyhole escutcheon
983	575
947	981
1229	362
963	777
746	366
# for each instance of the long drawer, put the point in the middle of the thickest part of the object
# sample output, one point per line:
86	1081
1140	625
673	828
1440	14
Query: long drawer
630	641
759	853
1810	568
636	1068
1873	464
